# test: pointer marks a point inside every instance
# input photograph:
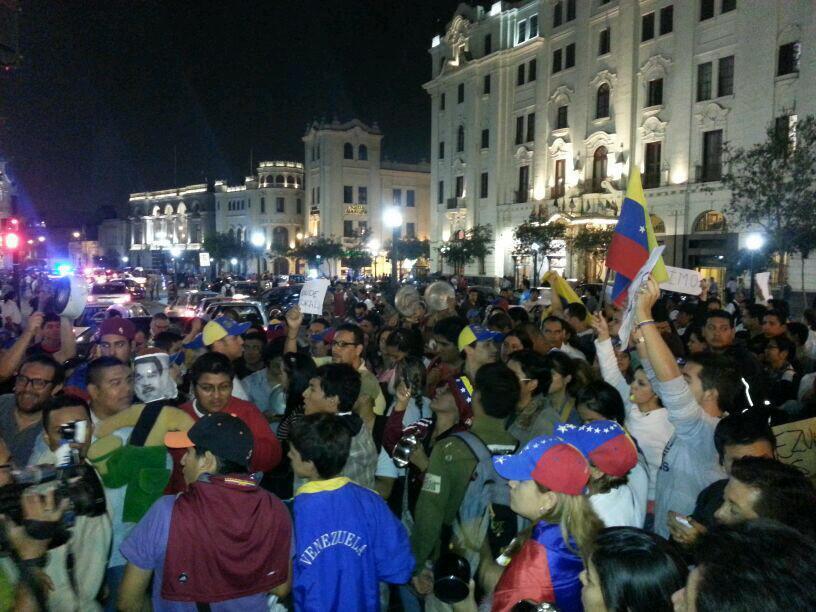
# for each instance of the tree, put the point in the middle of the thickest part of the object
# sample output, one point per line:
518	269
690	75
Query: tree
466	246
773	186
534	238
356	258
594	242
317	250
222	246
411	248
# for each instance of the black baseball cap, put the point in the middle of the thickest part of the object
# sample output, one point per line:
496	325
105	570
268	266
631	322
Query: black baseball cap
224	435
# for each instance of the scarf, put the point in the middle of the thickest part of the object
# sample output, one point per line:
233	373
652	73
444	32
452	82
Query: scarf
228	539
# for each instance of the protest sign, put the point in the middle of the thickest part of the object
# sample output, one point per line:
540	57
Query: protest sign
203	259
629	313
682	281
312	295
763	285
796	445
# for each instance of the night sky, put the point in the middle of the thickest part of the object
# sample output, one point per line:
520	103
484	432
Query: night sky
105	92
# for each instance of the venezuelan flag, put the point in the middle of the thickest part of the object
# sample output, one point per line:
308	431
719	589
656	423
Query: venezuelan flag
633	240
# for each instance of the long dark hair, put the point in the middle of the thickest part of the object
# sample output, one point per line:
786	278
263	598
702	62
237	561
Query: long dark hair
300	369
638	571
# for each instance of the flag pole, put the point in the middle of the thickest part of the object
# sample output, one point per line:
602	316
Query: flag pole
607	274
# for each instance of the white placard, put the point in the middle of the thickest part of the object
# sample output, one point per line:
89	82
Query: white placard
629	313
763	285
204	259
682	281
312	295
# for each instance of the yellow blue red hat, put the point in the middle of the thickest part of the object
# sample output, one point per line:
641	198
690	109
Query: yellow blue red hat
477	333
215	330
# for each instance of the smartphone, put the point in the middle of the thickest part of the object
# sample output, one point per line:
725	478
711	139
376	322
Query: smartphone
683	520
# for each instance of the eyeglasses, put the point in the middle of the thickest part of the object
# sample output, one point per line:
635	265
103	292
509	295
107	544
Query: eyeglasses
37	383
341	344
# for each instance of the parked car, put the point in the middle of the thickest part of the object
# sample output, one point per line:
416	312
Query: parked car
246	309
137	291
86	335
109	293
96	313
281	298
186	303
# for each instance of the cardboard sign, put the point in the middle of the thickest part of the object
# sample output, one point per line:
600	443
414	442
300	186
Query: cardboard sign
204	259
629	313
312	295
763	285
682	281
796	445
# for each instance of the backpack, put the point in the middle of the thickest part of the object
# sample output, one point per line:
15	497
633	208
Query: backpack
485	509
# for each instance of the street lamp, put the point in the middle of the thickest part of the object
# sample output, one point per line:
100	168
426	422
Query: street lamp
392	217
258	240
76	234
40	238
125	259
536	247
374	249
753	243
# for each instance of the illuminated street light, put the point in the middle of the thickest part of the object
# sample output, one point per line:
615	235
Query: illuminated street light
257	239
754	242
76	234
234	261
125	259
392	217
41	238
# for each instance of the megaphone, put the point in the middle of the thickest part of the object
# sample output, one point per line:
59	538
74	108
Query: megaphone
70	296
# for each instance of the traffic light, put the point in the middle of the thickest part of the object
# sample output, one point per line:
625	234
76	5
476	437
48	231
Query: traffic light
12	241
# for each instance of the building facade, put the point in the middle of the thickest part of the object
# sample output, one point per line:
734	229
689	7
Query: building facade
540	108
113	236
167	227
269	203
349	186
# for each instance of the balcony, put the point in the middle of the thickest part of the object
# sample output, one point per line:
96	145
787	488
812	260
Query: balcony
521	196
455	203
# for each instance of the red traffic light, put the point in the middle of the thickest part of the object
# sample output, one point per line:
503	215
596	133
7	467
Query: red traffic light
12	241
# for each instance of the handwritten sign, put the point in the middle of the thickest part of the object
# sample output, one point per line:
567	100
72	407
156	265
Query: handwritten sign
796	445
629	313
682	281
312	295
204	259
763	285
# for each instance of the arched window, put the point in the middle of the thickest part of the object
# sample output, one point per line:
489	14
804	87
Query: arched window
269	180
657	224
280	238
460	138
362	153
156	211
348	151
709	221
598	168
182	208
602	101
290	182
168	210
280	266
231	234
279	180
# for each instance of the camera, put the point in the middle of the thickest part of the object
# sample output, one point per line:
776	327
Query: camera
403	450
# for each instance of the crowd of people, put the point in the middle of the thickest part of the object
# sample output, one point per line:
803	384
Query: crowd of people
511	455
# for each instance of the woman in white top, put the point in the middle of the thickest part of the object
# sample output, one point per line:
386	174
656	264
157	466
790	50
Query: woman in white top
646	420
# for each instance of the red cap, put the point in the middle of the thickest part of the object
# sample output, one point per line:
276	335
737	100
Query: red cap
117	326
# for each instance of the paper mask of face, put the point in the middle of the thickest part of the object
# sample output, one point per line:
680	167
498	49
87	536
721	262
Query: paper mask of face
152	380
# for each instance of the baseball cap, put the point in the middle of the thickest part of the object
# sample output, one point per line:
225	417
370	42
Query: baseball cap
117	326
551	462
605	444
477	333
224	435
462	391
276	329
215	330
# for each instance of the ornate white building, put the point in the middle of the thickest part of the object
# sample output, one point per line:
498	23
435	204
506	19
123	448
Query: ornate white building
269	203
348	186
170	224
541	106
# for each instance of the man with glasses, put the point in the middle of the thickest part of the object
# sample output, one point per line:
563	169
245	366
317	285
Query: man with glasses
212	381
39	377
347	347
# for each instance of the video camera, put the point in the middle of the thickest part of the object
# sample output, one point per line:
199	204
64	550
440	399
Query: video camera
72	480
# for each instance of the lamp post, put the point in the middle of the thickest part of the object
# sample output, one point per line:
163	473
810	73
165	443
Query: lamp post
175	253
753	242
392	217
374	249
535	246
258	241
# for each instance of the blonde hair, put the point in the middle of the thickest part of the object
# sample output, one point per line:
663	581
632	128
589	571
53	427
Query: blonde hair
577	520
